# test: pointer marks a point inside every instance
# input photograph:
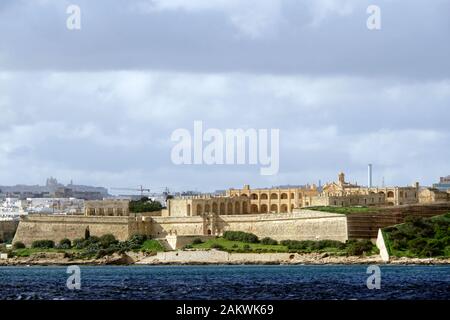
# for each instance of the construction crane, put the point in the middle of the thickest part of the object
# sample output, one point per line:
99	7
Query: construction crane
141	189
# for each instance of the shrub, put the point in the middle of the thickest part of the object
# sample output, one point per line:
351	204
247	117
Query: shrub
416	245
433	247
138	239
44	244
18	245
246	247
358	248
108	240
79	243
65	244
269	241
197	241
240	236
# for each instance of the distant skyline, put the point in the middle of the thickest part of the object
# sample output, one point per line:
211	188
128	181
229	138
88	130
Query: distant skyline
98	105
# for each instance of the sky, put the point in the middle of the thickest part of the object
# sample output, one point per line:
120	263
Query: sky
98	105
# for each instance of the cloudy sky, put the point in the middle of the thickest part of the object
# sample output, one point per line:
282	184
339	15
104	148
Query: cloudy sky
99	105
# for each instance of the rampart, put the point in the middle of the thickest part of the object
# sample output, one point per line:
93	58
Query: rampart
47	227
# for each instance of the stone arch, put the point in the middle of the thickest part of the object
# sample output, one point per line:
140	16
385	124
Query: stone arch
199	209
390	194
207	208
292	195
382	192
215	207
237	208
283	196
273	208
264	196
222	208
244	208
230	208
274	196
292	207
283	208
189	209
254	208
254	196
263	208
110	211
119	211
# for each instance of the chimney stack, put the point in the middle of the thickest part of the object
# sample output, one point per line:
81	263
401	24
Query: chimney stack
369	175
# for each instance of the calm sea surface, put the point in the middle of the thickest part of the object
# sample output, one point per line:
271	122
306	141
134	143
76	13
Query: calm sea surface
226	282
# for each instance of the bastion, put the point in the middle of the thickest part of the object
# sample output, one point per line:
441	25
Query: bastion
300	225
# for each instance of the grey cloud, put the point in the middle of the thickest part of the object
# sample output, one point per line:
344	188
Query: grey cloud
308	37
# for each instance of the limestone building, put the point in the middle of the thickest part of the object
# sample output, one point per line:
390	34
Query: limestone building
275	200
430	195
205	204
107	208
342	193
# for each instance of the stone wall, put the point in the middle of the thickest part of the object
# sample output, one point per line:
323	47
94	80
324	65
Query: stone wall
56	228
162	226
7	230
300	225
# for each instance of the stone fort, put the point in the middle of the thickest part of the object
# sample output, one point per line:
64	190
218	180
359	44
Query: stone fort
279	213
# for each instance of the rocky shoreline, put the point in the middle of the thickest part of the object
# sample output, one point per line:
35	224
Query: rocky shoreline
214	257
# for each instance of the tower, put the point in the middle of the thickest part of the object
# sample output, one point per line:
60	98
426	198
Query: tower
369	175
341	178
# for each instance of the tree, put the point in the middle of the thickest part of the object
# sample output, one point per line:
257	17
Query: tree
144	205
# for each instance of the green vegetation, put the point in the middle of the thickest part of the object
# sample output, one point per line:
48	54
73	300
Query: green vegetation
93	247
420	237
237	246
240	236
269	241
144	205
247	242
65	244
44	244
18	245
152	246
344	210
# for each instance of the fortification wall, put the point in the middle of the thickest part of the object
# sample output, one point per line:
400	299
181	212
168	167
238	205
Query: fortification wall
162	226
55	228
300	225
7	230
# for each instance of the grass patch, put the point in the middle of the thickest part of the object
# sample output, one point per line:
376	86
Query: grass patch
324	246
26	252
152	245
238	246
344	210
